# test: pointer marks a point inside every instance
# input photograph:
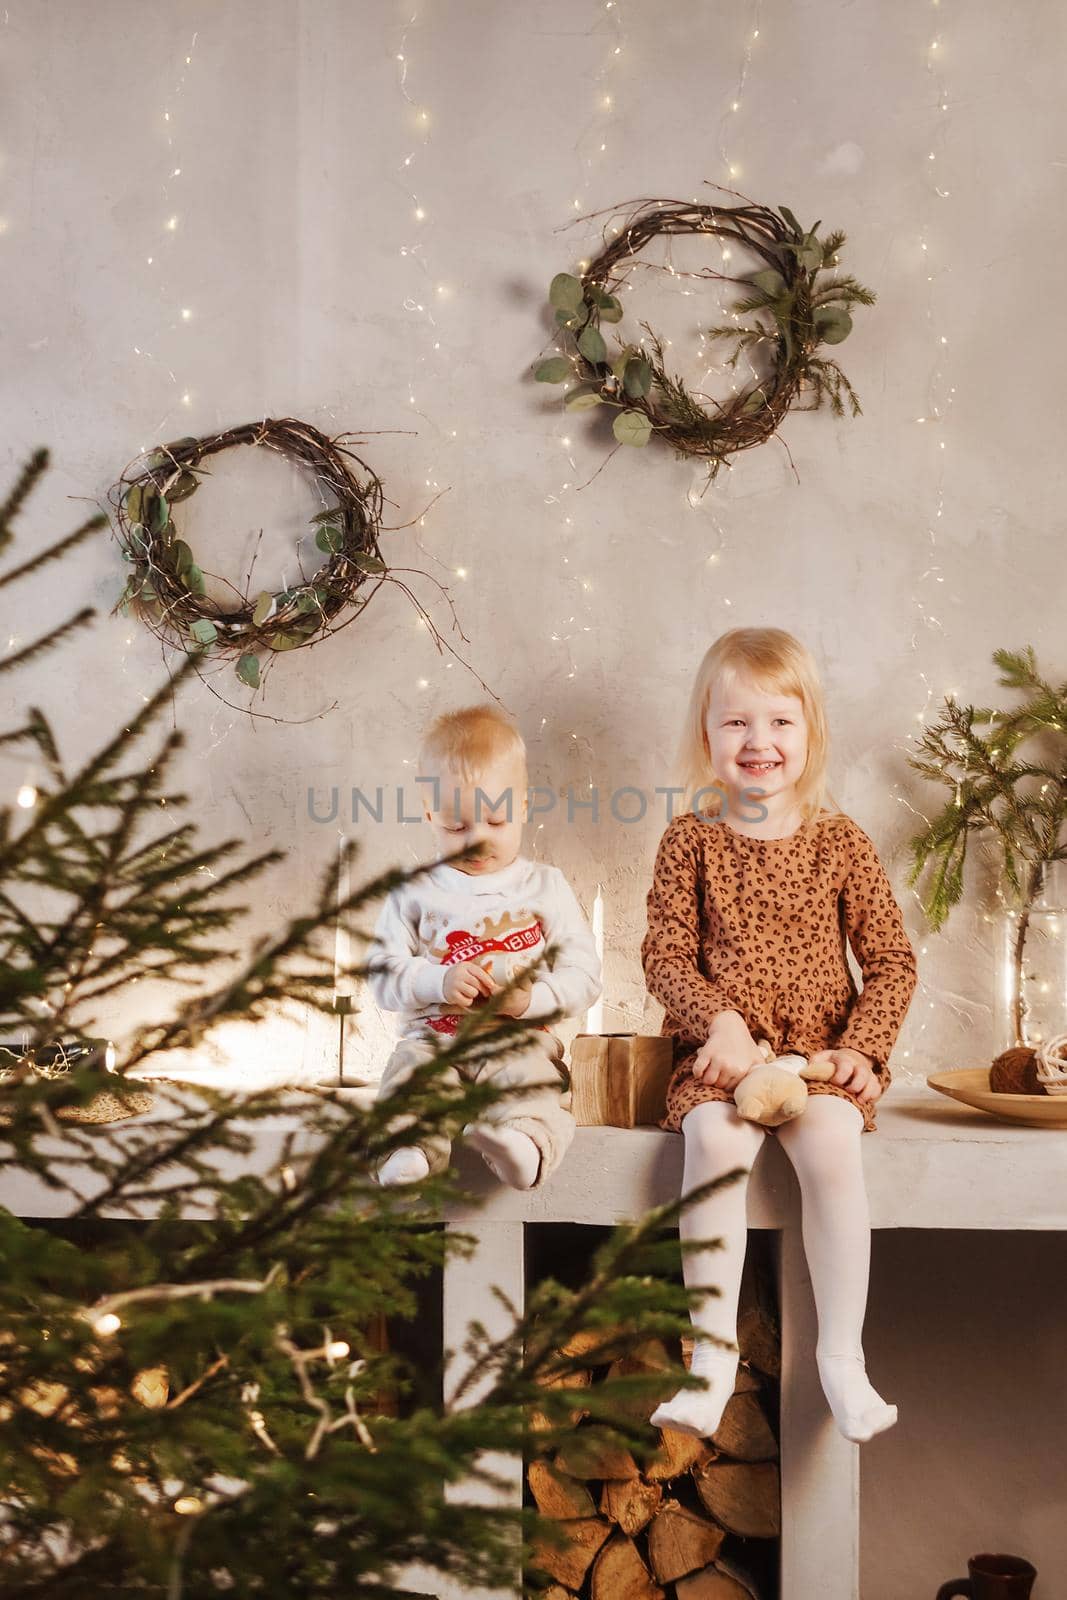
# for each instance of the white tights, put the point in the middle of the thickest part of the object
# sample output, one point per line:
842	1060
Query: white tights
823	1145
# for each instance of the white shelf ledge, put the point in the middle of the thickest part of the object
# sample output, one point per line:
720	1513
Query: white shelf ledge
932	1163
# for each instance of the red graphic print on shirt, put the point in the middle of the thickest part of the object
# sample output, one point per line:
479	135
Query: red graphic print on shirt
502	943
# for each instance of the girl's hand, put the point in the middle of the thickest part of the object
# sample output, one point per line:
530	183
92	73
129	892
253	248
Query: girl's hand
853	1070
467	983
728	1053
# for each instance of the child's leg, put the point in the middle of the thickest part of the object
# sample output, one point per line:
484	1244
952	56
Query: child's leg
412	1162
524	1137
716	1141
824	1147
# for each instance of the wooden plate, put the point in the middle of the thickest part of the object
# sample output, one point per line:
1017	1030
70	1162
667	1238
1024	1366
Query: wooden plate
971	1086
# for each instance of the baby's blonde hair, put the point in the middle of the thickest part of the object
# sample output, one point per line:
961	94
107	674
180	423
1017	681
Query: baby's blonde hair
469	740
777	663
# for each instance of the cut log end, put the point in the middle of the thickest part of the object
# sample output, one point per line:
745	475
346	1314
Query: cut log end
680	1542
620	1574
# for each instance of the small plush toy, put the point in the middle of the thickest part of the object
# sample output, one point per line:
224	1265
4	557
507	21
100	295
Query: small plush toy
776	1092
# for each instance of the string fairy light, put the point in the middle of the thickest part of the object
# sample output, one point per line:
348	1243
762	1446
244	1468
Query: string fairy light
596	150
418	123
941	394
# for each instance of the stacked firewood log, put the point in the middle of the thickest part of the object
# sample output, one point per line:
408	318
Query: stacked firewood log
685	1524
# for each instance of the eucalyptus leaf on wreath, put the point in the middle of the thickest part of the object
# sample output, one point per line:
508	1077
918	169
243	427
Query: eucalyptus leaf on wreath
204	631
591	344
833	324
329	539
566	292
247	670
557	369
632	427
182	555
583	397
637	377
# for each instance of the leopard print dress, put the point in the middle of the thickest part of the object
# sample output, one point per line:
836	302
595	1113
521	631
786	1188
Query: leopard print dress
759	926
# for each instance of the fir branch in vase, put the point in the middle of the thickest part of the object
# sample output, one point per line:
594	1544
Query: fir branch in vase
1019	802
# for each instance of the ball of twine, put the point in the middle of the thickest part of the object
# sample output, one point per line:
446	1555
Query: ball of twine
1052	1064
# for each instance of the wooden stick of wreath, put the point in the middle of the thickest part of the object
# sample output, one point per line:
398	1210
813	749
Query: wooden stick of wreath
796	302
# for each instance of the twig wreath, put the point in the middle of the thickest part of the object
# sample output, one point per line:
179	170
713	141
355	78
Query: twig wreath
166	584
793	310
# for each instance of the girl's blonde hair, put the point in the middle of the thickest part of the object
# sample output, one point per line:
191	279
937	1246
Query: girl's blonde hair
470	740
773	661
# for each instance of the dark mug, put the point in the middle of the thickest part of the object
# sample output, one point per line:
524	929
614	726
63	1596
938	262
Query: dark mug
993	1578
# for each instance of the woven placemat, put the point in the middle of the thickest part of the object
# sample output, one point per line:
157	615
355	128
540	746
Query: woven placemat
104	1107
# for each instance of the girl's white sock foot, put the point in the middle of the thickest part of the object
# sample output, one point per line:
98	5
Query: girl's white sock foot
403	1166
699	1411
858	1408
509	1154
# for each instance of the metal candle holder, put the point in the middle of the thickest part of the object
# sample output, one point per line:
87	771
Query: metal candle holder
344	1006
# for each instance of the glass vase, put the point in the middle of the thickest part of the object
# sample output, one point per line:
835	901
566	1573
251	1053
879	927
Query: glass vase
1032	965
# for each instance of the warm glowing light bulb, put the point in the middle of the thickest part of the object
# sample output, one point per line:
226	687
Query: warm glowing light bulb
171	224
107	1324
27	797
186	313
187	1505
337	1349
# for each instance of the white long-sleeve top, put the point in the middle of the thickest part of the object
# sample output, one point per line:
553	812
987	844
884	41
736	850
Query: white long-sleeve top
503	920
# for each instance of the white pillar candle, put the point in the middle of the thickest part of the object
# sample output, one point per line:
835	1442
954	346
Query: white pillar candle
594	1022
342	950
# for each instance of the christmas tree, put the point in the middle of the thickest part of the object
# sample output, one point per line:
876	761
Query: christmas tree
191	1367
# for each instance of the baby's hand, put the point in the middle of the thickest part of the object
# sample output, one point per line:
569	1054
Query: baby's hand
853	1070
730	1050
517	1001
466	984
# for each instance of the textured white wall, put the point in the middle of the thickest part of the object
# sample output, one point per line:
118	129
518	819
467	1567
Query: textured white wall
287	143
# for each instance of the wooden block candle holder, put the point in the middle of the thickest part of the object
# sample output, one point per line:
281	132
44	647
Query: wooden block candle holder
619	1080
